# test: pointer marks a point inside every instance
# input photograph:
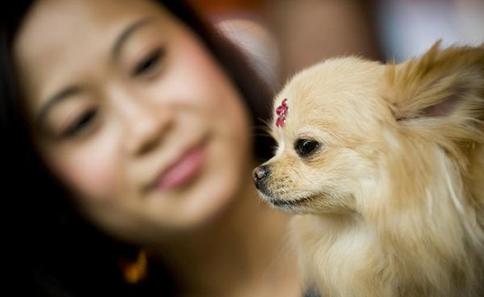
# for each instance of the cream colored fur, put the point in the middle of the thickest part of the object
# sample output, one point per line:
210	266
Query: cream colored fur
392	204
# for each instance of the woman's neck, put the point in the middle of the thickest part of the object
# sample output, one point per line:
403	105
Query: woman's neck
245	252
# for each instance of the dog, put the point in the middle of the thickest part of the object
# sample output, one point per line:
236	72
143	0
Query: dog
383	167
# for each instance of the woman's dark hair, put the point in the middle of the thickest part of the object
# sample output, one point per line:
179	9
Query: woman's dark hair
52	250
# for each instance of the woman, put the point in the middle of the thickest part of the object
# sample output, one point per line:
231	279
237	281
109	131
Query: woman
128	128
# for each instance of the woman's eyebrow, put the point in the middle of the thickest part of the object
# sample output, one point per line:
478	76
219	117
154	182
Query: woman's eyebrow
124	36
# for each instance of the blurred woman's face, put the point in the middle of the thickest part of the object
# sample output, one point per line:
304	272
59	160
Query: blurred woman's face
133	114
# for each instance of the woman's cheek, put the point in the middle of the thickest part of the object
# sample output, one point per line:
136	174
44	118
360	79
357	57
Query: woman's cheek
215	94
89	170
212	91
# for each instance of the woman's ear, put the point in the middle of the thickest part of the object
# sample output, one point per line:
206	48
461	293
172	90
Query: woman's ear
441	89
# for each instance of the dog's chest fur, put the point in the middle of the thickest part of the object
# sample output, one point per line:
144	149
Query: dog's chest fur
336	255
346	259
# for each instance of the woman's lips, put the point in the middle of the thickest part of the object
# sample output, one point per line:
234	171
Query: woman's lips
183	170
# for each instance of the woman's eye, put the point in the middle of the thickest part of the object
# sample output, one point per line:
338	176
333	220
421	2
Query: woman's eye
149	62
306	147
80	124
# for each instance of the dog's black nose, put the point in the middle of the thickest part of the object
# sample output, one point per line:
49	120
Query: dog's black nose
260	173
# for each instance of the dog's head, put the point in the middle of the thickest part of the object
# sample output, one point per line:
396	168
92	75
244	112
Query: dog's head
350	131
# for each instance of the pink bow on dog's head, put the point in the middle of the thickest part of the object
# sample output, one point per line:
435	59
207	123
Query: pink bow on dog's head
281	112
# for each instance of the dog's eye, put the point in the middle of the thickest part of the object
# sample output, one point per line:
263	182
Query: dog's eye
306	147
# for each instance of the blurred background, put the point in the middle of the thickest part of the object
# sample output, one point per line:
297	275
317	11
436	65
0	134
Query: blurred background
285	36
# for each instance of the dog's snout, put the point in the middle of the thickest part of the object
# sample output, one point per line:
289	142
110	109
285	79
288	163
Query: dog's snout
260	173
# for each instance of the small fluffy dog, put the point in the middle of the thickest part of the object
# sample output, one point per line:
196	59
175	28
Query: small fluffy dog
384	165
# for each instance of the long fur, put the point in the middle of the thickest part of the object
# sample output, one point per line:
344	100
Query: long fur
393	203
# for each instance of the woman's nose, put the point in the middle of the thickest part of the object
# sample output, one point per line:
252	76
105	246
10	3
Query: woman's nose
145	124
146	128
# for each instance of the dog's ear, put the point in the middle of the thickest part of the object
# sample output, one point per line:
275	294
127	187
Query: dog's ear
443	87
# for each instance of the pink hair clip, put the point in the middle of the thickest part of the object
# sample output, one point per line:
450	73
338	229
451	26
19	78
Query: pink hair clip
281	112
